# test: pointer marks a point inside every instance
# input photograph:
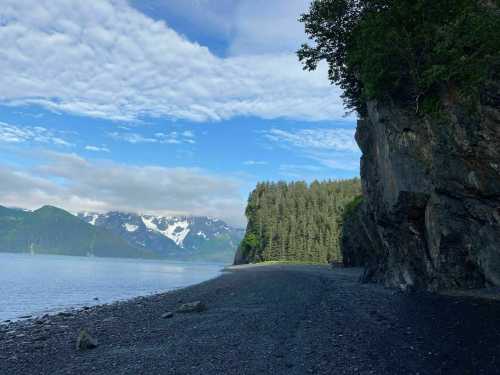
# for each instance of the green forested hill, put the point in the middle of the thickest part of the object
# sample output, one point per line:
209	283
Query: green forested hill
296	221
50	230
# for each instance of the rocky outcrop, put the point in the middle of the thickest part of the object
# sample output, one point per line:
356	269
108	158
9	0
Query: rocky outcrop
431	212
353	240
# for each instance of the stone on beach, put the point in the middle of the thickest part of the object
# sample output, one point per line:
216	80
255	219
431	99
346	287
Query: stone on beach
196	306
85	341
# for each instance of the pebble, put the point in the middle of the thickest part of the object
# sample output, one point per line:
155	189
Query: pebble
134	329
85	341
196	306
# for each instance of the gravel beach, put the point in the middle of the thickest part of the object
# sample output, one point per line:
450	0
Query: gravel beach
272	319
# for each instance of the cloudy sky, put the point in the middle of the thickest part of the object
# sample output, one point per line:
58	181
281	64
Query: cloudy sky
161	106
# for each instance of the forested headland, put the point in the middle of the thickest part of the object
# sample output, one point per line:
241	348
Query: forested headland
296	221
423	77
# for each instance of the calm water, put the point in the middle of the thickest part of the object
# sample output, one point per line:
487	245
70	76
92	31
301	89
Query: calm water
34	285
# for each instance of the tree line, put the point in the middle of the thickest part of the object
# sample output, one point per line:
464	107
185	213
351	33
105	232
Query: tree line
296	221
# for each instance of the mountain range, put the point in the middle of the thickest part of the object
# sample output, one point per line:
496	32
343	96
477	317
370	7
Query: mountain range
51	230
172	237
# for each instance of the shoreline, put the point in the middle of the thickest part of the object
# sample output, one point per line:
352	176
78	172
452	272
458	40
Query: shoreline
280	319
53	284
492	294
29	318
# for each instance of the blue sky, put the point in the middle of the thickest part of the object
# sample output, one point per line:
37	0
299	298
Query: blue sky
163	107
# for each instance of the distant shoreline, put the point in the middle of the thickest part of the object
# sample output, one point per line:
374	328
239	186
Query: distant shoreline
113	258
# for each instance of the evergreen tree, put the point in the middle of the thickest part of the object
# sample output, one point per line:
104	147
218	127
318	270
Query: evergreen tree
296	222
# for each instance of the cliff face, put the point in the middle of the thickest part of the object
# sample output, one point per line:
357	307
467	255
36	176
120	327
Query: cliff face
354	240
431	212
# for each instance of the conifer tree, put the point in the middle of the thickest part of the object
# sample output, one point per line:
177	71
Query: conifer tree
297	222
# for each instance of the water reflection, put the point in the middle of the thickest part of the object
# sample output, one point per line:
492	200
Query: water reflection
44	283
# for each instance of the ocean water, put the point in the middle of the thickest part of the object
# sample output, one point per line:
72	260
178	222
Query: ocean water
40	284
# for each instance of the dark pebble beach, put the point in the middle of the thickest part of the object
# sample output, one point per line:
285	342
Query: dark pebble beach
272	319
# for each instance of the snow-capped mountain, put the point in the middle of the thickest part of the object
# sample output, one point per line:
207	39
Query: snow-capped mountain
195	238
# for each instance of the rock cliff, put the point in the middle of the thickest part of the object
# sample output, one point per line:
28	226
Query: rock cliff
431	212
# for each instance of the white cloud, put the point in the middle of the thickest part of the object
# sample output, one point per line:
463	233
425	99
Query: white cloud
263	26
246	26
299	170
97	148
106	59
207	18
105	185
10	133
187	134
319	139
255	162
132	138
301	167
334	148
174	137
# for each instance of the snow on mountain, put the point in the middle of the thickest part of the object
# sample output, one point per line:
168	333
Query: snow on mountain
187	237
90	217
177	232
170	227
130	227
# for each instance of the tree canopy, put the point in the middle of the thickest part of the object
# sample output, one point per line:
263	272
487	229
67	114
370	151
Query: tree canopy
403	50
296	221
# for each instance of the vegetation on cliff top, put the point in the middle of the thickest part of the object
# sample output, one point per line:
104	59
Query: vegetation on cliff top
296	222
404	51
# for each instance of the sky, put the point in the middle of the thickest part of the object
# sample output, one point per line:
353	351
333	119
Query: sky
167	107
